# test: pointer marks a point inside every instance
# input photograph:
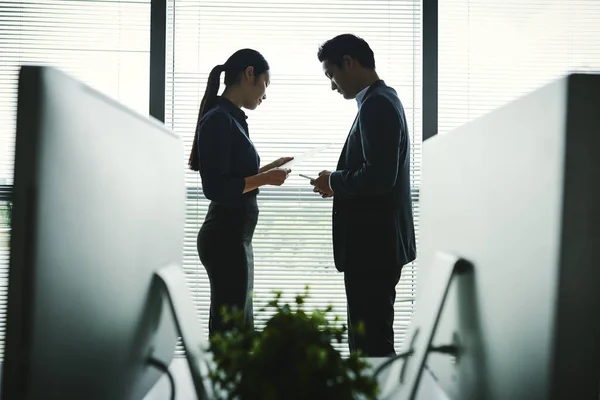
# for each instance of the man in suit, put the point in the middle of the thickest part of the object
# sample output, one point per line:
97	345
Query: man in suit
373	230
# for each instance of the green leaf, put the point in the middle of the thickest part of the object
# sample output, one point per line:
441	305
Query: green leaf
292	357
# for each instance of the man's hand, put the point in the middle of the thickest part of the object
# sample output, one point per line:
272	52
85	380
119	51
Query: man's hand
321	184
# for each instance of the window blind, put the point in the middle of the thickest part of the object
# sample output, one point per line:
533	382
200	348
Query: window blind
292	243
491	52
105	43
5	209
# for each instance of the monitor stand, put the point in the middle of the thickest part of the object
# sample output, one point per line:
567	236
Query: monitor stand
425	321
175	289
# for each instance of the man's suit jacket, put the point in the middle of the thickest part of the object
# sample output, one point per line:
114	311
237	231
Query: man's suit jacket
372	209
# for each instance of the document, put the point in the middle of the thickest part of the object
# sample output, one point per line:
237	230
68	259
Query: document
306	155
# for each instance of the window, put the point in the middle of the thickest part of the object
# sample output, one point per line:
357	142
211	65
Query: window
491	52
292	242
105	43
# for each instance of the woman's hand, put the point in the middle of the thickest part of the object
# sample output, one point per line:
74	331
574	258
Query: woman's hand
276	164
281	161
276	176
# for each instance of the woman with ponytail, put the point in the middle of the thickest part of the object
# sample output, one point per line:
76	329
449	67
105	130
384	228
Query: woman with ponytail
229	168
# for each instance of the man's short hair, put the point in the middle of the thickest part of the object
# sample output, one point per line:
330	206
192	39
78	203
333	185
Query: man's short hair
334	50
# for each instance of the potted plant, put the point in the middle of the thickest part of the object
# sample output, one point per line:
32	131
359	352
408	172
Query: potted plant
291	358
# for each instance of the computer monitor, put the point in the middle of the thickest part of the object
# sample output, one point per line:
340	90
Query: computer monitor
98	208
510	216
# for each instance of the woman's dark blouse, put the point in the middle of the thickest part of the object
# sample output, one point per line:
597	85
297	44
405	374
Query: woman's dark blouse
226	154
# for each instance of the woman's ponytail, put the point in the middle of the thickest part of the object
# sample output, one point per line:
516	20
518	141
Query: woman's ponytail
208	102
